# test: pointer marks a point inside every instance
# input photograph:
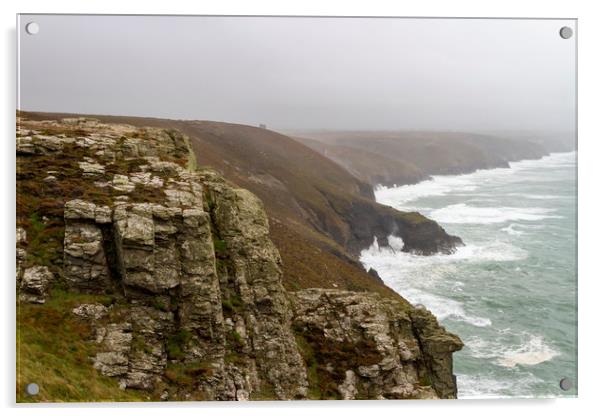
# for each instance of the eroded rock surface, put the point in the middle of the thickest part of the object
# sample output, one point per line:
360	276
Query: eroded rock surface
197	309
35	283
367	347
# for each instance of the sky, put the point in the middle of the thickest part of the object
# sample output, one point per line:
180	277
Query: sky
304	73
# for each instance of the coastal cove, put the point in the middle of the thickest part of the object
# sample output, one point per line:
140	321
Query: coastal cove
510	292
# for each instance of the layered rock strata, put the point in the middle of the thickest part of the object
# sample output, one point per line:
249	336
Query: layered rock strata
198	310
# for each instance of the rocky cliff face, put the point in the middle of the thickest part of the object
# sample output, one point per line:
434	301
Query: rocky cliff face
197	309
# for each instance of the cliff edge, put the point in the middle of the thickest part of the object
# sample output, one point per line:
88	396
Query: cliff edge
142	277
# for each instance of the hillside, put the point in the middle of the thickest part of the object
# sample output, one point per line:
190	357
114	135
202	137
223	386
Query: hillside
142	276
321	216
368	166
418	155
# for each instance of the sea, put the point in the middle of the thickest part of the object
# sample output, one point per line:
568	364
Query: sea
511	292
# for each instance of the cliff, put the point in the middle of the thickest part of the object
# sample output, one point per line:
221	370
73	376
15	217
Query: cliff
320	215
143	277
369	167
408	157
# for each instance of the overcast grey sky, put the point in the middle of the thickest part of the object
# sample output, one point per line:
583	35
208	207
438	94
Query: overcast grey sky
304	73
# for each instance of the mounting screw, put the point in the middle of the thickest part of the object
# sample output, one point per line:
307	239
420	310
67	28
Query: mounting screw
566	32
566	383
32	28
32	389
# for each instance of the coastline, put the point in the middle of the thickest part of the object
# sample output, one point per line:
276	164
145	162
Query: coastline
518	225
431	177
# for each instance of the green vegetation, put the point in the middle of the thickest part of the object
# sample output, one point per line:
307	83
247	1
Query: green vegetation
176	344
425	381
414	217
232	304
45	241
160	304
235	341
188	374
139	344
236	358
220	247
265	392
61	365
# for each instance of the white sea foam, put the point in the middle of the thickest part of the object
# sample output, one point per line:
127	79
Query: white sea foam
511	229
489	386
412	275
552	160
399	196
531	196
386	257
530	350
467	214
444	308
395	243
496	362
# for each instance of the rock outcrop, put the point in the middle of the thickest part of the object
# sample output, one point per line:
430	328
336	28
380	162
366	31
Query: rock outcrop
198	310
35	283
366	347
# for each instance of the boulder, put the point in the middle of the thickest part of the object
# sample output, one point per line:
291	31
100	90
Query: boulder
34	284
85	263
90	311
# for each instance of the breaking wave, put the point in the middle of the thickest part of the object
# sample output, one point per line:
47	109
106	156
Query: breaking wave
393	258
466	214
492	291
440	185
412	275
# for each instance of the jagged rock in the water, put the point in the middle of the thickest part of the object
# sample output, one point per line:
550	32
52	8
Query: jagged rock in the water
194	283
35	283
365	347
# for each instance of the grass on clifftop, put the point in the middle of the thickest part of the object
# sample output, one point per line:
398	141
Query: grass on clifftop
54	350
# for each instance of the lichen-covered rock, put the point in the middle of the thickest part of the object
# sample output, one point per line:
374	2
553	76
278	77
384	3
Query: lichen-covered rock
21	253
437	346
115	343
367	347
93	311
86	267
34	284
197	306
254	276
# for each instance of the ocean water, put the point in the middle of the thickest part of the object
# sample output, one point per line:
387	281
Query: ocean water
510	293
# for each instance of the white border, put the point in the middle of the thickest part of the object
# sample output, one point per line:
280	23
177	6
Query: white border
590	209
